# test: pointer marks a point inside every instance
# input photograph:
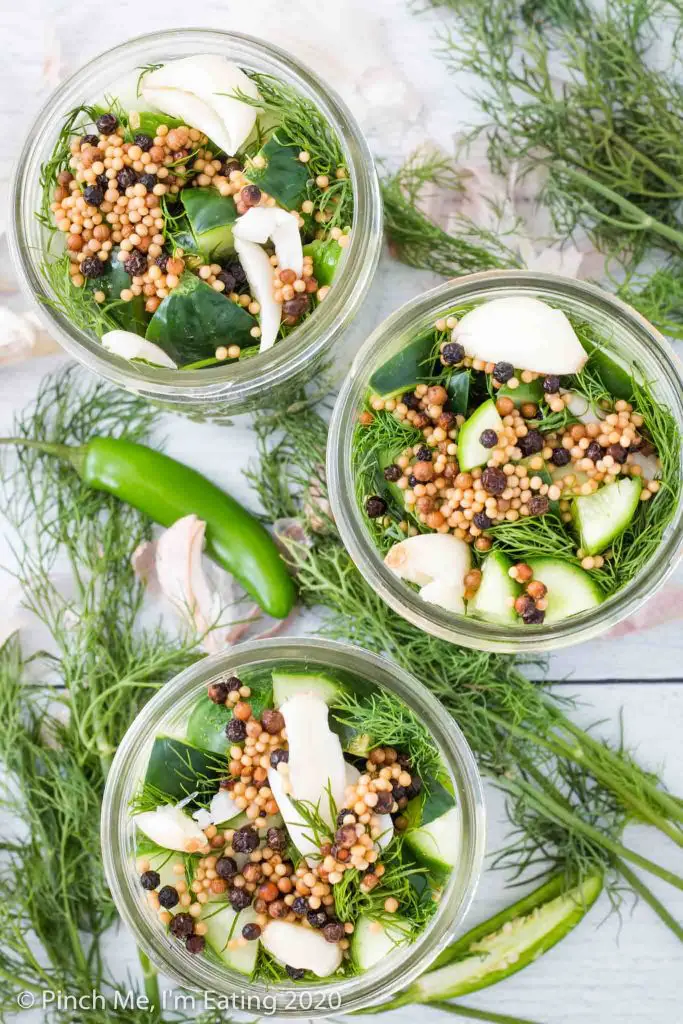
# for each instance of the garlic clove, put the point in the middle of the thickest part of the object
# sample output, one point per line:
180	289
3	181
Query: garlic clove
169	827
200	91
131	346
430	556
523	331
448	595
300	947
316	763
259	273
261	223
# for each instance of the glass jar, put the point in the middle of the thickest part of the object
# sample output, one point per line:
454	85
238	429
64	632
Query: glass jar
169	710
217	392
626	334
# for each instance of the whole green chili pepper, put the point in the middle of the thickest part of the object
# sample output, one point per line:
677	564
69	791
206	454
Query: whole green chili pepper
166	490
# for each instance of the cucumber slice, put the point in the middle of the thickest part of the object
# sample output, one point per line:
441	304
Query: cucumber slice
532	392
507	943
411	366
287	684
437	843
147	122
210	217
610	370
325	256
492	600
283	177
225	924
471	452
603	515
130	316
458	388
162	861
570	589
374	940
206	726
178	769
194	320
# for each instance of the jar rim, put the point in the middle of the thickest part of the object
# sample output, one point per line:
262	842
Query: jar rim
236	381
653	349
174	698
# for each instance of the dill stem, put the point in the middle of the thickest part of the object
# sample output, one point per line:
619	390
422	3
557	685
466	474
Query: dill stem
558	746
559	813
649	897
150	979
473	1014
641	221
671	805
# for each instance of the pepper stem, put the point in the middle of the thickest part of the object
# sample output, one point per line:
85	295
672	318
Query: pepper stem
69	453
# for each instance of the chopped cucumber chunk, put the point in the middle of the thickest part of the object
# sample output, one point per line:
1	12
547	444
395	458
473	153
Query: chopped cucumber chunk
410	366
178	769
437	844
287	684
603	515
374	940
532	392
570	589
225	924
471	452
494	600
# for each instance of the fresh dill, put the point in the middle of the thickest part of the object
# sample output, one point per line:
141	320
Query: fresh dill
75	120
299	122
76	303
144	69
388	720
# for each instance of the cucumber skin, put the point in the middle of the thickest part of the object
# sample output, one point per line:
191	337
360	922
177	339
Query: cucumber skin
177	769
579	502
479	422
408	367
580	899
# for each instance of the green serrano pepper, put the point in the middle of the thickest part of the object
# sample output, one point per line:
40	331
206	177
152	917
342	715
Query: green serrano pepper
166	490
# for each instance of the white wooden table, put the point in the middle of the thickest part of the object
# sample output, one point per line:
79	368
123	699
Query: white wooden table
380	58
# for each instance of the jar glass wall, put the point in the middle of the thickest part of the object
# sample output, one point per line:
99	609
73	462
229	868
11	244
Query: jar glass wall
220	391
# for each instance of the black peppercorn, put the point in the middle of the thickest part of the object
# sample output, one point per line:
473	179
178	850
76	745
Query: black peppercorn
317	918
411	400
494	480
488	438
424	454
414	788
278	756
252	931
294	308
149	880
345	811
228	166
233	683
237	270
560	457
168	897
375	506
452	353
239	899
162	262
295	973
594	451
618	453
218	692
93	195
245	839
136	264
126	178
534	617
412	480
276	838
393	473
482	521
182	926
251	195
103	181
226	868
334	931
149	181
106	124
551	384
385	801
195	944
227	279
531	444
300	906
145	142
90	140
538	505
503	372
236	730
92	267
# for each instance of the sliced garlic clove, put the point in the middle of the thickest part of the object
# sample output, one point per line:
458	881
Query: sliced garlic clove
523	331
259	271
316	765
261	223
300	947
211	82
446	594
169	827
131	346
430	556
